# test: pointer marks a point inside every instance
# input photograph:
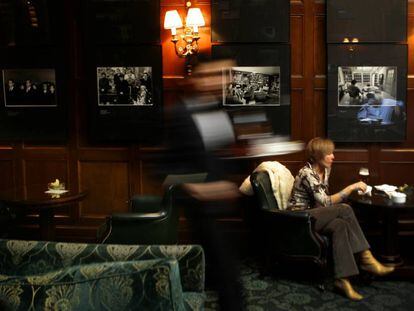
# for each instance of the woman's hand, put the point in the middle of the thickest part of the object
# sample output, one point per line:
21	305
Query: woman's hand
359	186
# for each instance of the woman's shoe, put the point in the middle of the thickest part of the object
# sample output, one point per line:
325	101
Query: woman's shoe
345	288
370	264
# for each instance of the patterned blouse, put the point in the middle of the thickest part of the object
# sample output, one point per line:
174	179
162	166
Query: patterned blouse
308	189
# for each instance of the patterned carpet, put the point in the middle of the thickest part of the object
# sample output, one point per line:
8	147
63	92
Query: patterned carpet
273	294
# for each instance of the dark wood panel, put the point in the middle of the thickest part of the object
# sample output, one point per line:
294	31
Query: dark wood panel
395	173
352	155
152	177
106	154
320	47
344	174
6	152
296	39
44	171
296	115
43	152
108	186
319	119
397	155
7	172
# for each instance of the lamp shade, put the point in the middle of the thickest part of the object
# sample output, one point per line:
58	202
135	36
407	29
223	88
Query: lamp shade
195	18
172	20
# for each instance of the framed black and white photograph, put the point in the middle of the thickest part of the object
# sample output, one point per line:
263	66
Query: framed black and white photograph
124	86
259	85
367	85
125	93
366	21
29	87
367	92
250	20
34	95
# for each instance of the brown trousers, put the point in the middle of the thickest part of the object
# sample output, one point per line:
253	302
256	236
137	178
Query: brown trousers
340	223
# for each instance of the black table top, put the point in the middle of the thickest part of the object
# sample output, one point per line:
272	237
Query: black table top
380	199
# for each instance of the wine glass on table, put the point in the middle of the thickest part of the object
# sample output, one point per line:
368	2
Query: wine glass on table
364	175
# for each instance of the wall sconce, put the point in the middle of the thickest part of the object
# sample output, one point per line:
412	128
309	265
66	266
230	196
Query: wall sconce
347	40
190	34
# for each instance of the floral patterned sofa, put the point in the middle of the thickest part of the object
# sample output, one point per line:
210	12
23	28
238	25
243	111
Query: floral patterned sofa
69	276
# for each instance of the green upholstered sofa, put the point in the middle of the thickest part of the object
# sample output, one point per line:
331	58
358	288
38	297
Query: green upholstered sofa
69	276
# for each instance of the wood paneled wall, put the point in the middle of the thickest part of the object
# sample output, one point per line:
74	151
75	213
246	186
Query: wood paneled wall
113	173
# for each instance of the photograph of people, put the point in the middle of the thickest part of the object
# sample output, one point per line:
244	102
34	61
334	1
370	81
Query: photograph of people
29	87
124	86
362	84
251	86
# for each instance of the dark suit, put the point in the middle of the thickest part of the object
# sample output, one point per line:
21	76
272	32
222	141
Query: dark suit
11	95
123	93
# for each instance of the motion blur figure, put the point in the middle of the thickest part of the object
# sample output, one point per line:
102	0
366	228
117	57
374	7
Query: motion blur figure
198	128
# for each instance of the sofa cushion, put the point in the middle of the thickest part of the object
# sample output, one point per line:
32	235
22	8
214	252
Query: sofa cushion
144	284
35	257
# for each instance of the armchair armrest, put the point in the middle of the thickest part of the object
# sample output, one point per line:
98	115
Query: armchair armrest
122	217
145	203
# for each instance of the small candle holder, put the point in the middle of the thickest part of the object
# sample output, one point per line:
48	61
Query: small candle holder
60	186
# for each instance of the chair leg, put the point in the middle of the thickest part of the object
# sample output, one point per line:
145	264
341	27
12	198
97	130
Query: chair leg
323	275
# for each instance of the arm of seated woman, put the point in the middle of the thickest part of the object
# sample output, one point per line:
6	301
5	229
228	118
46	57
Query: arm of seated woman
346	192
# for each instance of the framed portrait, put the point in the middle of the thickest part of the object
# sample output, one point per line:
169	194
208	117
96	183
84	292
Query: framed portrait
123	21
259	86
125	93
367	92
29	87
367	21
34	95
124	86
250	21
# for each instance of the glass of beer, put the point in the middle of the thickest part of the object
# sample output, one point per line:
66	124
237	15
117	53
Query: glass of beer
364	174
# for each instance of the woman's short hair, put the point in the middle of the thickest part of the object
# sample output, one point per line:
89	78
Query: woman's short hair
318	148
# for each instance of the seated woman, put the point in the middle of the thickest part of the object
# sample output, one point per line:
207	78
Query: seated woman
310	192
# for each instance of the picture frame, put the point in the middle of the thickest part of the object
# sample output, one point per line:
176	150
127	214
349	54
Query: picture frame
29	87
37	117
348	19
124	86
262	56
361	85
258	86
377	112
125	120
240	21
123	22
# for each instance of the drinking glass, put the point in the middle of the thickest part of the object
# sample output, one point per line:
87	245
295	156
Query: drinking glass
364	174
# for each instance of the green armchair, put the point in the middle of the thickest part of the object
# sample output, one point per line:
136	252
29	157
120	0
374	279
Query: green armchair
153	219
288	236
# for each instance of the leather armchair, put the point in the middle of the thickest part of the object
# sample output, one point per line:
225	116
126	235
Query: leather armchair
289	236
153	219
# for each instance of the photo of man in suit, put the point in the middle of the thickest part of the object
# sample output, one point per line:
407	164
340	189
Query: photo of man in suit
29	87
